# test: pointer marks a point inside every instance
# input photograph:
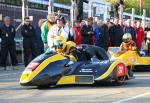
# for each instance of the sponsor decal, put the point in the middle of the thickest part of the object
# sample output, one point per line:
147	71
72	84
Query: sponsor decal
86	70
104	62
121	70
132	59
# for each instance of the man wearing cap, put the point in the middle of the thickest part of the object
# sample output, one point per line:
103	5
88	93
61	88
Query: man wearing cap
57	30
45	28
28	33
7	34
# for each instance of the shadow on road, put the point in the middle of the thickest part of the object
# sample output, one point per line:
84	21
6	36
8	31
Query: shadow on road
129	84
141	80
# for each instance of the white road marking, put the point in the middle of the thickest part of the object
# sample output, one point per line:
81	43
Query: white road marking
2	75
132	98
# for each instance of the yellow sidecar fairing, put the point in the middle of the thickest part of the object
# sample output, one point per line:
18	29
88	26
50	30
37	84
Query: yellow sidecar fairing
129	57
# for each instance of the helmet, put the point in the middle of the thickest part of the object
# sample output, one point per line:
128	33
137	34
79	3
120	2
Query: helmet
126	37
59	44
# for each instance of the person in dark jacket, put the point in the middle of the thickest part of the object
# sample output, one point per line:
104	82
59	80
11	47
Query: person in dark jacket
105	36
39	42
28	34
87	32
111	31
129	29
116	34
7	35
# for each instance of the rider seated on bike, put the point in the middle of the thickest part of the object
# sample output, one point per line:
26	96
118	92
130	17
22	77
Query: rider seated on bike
127	44
68	49
93	52
81	53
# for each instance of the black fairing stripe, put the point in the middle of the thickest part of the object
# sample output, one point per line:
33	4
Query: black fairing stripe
55	70
51	73
43	57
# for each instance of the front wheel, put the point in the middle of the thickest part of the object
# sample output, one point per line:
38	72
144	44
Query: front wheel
120	73
120	80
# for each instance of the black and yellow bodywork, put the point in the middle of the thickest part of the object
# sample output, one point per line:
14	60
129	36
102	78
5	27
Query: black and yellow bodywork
130	58
53	69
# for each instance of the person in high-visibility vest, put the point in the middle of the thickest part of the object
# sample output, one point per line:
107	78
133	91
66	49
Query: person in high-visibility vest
127	44
45	28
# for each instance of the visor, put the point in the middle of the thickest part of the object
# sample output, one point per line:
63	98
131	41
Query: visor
126	40
58	44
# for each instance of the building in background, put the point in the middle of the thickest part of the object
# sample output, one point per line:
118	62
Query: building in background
13	9
39	8
101	9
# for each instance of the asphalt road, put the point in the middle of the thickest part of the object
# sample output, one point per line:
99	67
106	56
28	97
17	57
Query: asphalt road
134	91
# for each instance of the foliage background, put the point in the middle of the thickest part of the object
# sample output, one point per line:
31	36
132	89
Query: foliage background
129	4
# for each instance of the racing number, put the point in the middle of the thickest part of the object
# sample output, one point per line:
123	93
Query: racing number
120	70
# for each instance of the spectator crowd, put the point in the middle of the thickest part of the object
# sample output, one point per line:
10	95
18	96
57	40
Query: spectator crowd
38	40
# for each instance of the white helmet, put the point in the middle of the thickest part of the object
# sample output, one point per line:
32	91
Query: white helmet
127	37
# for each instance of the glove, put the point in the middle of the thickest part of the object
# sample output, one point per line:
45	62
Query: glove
71	57
49	51
69	63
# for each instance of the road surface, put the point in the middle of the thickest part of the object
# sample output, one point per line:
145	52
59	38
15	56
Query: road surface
134	91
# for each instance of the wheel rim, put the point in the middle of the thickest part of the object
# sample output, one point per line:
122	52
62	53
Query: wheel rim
121	79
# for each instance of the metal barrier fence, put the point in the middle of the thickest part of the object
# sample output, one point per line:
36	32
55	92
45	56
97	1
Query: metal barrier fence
15	12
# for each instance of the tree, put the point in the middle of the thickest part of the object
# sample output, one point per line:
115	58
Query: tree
129	4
